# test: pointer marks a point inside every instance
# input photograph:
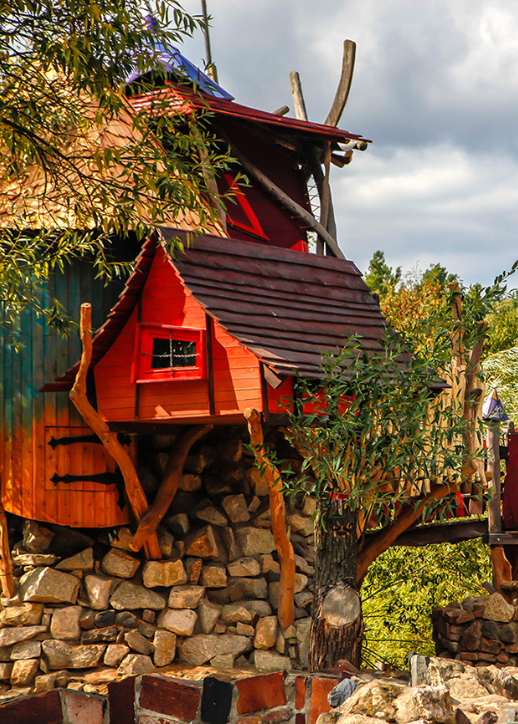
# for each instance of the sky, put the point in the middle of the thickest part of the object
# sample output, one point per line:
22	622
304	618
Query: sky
435	88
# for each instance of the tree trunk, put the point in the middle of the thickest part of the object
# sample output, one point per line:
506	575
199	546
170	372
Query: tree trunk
337	628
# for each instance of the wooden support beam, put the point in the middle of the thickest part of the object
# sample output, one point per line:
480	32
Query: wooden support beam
298	97
6	563
494	508
288	202
286	610
168	485
136	496
344	84
455	532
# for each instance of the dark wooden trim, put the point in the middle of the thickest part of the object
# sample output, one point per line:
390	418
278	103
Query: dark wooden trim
210	362
507	538
137	386
264	394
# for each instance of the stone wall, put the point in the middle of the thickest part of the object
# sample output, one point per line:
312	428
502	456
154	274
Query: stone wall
89	611
482	630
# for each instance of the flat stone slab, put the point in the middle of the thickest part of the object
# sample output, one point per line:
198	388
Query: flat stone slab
10	636
132	596
60	655
199	649
46	585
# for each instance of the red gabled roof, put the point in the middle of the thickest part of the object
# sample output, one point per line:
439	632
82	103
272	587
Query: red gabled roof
285	306
184	101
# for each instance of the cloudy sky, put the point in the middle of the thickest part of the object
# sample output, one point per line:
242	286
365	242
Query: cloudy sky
436	89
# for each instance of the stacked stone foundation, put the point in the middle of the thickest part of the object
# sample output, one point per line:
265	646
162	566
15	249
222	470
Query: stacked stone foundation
89	611
482	630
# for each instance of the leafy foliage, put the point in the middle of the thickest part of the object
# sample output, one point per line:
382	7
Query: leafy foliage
402	587
74	154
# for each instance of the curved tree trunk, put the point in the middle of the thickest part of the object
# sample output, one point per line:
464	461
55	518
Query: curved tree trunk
337	628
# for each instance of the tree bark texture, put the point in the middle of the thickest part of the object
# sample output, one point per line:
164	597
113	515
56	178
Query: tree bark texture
335	573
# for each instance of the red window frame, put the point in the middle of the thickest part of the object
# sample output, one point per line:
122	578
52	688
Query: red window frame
142	367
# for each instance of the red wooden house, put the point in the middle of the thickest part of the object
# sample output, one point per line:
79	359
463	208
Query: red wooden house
194	337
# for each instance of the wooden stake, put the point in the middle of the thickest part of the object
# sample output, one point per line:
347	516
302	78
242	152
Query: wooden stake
344	85
168	485
298	98
6	564
286	610
136	495
494	515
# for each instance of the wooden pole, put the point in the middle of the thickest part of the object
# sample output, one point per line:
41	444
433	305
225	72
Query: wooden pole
298	97
136	496
288	203
286	610
168	485
6	563
211	68
344	84
494	515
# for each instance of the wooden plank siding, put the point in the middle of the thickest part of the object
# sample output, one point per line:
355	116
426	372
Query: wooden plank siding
165	300
31	355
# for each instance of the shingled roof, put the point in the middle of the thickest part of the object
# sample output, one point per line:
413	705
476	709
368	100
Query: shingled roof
285	306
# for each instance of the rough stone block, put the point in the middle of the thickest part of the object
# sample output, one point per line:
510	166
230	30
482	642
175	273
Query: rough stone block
26	650
105	635
10	636
164	573
179	621
83	561
234	612
236	508
271	661
139	643
210	514
202	544
115	653
245	567
266	633
5	671
65	623
208	614
24	671
165	647
98	589
119	563
254	541
251	587
36	537
28	614
132	596
46	585
60	655
135	664
193	568
213	575
185	596
201	648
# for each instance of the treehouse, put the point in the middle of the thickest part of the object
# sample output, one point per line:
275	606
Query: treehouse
194	338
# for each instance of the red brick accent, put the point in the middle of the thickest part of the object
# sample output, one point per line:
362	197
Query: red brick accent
300	692
465	618
502	658
319	690
300	719
41	708
249	720
261	692
280	715
121	701
170	696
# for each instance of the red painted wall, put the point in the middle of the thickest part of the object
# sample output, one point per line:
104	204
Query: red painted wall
166	301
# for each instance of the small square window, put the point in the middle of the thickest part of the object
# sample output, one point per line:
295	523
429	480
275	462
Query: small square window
166	353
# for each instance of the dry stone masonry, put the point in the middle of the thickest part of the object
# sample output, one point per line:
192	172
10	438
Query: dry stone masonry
480	631
88	610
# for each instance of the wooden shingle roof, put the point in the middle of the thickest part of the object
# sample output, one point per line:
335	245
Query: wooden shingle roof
285	306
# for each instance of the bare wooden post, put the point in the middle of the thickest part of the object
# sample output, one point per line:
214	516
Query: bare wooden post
6	564
494	514
286	610
136	495
344	84
298	98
